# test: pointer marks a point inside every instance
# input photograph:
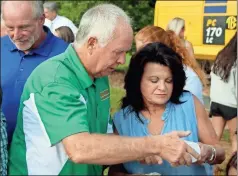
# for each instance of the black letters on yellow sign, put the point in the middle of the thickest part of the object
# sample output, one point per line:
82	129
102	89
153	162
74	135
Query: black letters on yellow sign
231	22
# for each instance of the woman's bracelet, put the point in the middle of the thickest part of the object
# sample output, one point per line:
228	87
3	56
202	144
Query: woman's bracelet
213	156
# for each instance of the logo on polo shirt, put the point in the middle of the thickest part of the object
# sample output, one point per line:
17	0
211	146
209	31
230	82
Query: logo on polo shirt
104	94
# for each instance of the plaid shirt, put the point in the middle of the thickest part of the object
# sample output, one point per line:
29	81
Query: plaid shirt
3	146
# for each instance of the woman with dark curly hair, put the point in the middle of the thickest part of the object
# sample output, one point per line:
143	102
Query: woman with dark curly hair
196	79
155	104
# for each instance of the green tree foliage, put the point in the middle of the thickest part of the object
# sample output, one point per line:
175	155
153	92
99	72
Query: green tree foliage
140	11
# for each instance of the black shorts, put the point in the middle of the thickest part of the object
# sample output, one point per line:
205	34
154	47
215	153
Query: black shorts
226	112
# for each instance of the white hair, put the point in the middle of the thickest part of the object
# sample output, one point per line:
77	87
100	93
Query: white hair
176	24
100	22
37	7
51	6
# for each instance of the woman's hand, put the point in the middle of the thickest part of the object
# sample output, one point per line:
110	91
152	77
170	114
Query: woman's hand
206	153
156	159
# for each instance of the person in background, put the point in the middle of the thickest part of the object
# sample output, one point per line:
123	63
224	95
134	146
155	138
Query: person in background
3	28
65	33
3	141
178	26
65	107
26	45
223	91
3	126
195	76
54	21
155	104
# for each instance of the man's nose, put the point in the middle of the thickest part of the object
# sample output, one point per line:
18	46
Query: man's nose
122	59
17	34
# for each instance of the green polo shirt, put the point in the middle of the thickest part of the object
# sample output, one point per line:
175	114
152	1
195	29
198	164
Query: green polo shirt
59	100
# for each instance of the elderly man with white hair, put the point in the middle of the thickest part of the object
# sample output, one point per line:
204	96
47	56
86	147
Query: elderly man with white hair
64	110
54	21
26	44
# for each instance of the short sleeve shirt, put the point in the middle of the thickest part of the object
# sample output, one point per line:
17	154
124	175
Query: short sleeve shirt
16	67
59	100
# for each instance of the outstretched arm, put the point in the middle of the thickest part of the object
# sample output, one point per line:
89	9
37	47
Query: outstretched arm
114	149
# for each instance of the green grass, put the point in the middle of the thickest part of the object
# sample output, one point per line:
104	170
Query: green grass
225	143
226	136
124	67
116	96
105	173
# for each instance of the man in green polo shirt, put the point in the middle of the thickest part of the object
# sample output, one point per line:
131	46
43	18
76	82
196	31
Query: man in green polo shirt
65	106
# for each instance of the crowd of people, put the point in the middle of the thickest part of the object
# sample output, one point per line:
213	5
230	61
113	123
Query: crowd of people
55	96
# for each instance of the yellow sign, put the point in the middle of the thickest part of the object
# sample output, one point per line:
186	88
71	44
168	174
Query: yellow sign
211	22
231	22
